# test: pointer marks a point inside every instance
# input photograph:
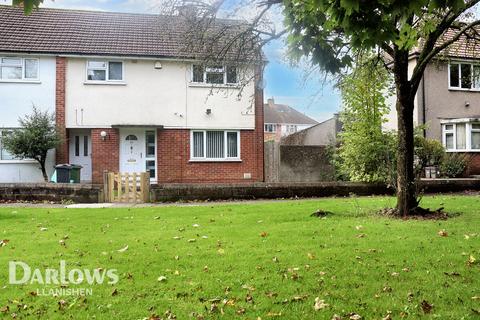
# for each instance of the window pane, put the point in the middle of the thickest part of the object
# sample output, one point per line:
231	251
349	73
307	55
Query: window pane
31	69
449	141
475	140
11	73
12	61
214	78
197	73
77	146
461	136
215	144
231	75
150	166
99	75
198	145
476	126
150	144
466	75
97	65
85	146
115	71
454	75
449	127
476	77
232	143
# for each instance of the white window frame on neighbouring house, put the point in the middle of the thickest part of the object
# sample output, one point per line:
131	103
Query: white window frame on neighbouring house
106	68
223	70
9	62
270	127
203	149
472	80
451	128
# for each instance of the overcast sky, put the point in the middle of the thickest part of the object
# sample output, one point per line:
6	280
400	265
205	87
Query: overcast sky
285	83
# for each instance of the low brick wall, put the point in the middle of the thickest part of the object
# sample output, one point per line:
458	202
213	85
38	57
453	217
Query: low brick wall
79	193
176	192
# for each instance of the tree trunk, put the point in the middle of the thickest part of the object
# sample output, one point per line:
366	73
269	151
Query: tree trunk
44	170
406	191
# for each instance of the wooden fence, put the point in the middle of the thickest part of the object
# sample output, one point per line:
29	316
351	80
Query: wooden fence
127	187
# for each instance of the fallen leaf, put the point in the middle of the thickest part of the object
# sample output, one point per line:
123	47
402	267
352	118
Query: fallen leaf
319	304
221	251
154	317
476	298
275	259
4	309
43	229
114	292
361	235
241	311
274	314
336	317
471	260
354	316
263	234
426	307
162	279
195	225
310	256
192	240
177	238
359	227
249	298
388	316
4	242
123	249
395	274
443	233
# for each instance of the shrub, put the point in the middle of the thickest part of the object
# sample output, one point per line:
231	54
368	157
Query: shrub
453	165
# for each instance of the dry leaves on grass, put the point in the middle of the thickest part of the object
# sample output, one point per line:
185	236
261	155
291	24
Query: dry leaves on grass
426	307
4	242
123	249
471	260
263	234
319	304
443	233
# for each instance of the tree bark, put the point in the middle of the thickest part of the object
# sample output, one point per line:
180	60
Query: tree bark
44	170
406	193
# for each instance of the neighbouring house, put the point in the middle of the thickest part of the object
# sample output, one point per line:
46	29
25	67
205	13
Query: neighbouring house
322	134
282	120
127	98
448	101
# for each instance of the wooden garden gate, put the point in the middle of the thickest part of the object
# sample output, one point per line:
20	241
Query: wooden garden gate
127	187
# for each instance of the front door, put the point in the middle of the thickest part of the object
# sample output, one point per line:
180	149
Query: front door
81	152
132	150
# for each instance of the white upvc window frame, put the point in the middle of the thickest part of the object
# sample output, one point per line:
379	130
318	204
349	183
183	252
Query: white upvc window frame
472	78
225	147
205	68
468	135
14	160
272	125
106	69
22	65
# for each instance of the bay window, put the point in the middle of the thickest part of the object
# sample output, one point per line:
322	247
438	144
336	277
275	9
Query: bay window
100	70
18	69
214	74
215	145
461	136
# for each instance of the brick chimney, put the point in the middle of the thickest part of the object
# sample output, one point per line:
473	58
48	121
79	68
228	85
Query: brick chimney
271	102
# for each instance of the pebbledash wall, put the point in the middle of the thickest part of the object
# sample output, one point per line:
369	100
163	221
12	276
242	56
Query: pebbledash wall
16	100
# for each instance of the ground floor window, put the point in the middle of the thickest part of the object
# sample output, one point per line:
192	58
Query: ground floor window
461	136
4	154
269	127
150	153
215	145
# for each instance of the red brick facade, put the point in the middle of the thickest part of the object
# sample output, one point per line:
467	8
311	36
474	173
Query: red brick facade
105	153
174	166
62	150
474	164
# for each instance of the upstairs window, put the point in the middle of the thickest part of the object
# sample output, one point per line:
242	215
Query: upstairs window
214	74
98	70
269	127
18	69
464	76
215	145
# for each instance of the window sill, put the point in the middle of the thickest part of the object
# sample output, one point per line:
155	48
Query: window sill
212	85
26	161
21	81
463	151
108	83
463	89
215	160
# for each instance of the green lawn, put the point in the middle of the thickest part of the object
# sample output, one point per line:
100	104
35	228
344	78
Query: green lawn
267	260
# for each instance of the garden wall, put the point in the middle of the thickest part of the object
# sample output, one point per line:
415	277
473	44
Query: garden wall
79	193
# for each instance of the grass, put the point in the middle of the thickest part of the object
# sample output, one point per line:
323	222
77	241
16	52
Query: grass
268	260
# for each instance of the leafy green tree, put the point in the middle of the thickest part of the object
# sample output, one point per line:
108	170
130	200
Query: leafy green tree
365	152
331	32
36	137
28	5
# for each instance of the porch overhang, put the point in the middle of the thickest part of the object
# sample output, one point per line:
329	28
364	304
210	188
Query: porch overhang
152	126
